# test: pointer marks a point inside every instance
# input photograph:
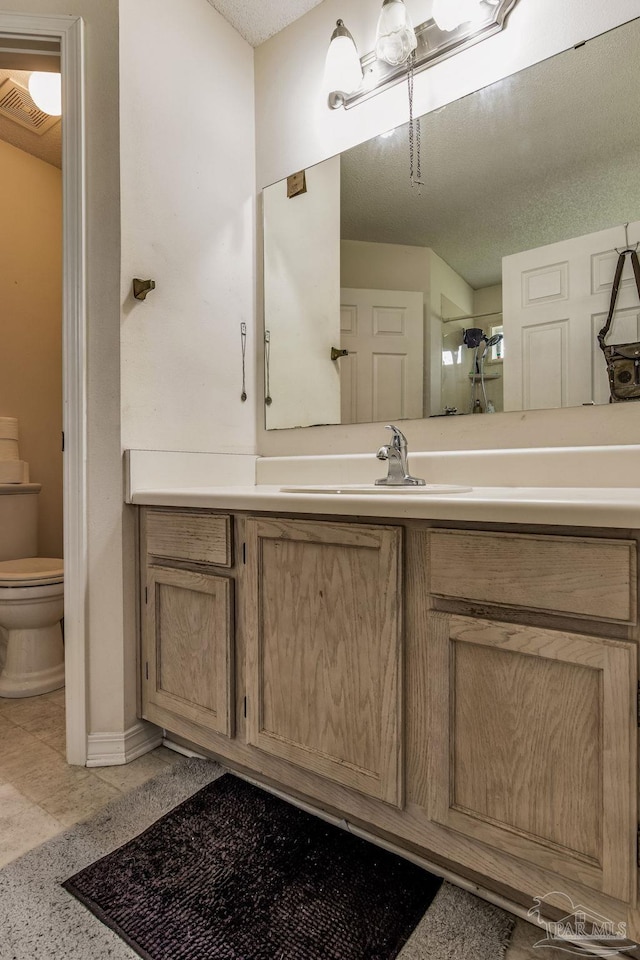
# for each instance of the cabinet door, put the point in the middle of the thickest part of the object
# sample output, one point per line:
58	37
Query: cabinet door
188	632
533	747
324	653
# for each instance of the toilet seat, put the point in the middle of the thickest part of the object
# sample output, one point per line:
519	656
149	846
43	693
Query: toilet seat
31	572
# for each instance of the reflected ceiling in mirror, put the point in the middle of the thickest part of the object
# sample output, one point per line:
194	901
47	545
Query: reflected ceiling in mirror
547	154
542	157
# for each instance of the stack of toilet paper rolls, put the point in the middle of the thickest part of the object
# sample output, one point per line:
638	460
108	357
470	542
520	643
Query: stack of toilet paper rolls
12	468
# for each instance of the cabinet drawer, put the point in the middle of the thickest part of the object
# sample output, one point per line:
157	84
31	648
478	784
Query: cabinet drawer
201	537
580	576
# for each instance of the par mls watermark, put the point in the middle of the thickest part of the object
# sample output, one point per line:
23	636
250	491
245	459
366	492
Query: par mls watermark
580	931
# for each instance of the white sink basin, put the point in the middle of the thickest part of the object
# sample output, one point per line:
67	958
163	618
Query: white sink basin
432	489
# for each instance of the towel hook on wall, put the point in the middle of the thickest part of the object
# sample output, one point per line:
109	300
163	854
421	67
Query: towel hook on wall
142	287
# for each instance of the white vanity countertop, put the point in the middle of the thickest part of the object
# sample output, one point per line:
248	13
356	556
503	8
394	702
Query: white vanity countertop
573	506
249	483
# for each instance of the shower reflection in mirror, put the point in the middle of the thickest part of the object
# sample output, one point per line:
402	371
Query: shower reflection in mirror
472	365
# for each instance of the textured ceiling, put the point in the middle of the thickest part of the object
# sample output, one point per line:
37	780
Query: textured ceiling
257	20
549	153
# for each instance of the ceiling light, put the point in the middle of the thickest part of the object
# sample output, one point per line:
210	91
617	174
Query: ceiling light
395	37
46	92
342	71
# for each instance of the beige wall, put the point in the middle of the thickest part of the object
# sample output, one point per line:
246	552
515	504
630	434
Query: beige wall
288	86
488	300
384	266
31	298
188	222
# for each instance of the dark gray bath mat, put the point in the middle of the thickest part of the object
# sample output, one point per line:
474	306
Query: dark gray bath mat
234	873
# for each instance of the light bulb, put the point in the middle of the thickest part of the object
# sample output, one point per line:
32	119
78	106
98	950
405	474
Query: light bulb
450	14
342	71
395	37
46	92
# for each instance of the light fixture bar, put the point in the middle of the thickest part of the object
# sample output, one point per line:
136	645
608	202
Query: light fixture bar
433	45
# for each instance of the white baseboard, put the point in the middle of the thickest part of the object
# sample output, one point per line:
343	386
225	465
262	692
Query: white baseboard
113	749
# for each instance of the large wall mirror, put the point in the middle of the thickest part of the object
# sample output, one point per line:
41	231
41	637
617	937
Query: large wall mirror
483	289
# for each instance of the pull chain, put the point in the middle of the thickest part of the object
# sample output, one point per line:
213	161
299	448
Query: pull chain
243	342
415	145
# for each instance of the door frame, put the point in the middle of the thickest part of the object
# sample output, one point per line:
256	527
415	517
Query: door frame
69	31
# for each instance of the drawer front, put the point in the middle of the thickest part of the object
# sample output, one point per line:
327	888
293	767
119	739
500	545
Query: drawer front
579	576
200	537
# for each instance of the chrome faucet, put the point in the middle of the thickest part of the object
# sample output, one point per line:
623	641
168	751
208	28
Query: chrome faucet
396	454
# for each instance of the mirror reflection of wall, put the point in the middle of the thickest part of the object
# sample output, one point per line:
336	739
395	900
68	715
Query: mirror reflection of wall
528	185
302	298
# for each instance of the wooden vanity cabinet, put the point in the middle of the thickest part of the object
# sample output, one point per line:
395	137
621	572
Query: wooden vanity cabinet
187	619
318	666
532	746
468	694
324	650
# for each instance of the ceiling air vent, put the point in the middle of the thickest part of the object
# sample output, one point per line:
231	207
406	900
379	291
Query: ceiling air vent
17	105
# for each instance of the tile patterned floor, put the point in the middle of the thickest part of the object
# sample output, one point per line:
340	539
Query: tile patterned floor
40	794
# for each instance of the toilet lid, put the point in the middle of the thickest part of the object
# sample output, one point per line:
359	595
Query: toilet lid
31	571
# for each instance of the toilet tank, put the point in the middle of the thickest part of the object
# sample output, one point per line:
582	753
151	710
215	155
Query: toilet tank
18	520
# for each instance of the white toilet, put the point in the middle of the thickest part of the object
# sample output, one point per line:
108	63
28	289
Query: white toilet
31	600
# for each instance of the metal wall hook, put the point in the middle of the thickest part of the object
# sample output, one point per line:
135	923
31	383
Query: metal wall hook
336	354
142	287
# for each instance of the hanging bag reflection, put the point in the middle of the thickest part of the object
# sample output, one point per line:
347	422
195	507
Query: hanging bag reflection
622	359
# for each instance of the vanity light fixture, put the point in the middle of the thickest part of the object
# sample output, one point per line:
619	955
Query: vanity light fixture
395	36
45	90
455	25
450	14
342	70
